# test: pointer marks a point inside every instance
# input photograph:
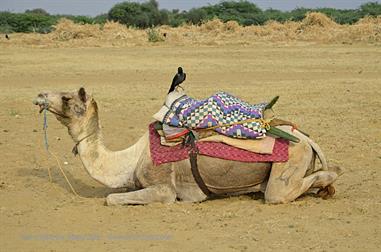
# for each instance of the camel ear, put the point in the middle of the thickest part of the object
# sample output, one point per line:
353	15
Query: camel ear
82	94
95	105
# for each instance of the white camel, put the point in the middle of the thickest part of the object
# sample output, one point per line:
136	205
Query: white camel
133	169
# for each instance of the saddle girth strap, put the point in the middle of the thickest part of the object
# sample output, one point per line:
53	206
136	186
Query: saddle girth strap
190	140
196	173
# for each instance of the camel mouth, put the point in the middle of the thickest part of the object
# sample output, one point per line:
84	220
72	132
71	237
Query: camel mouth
42	107
43	104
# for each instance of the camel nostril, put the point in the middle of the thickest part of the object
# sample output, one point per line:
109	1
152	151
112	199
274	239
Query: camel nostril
41	99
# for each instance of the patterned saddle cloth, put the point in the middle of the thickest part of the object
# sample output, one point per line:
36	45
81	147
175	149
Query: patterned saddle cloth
222	111
164	154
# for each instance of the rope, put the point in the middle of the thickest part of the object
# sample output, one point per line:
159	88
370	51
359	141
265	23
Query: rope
264	123
64	175
45	127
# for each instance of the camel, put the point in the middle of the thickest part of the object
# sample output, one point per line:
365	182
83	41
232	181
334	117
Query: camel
132	168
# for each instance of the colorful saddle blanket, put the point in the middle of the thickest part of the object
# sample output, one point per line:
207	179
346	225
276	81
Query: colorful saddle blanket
163	154
222	110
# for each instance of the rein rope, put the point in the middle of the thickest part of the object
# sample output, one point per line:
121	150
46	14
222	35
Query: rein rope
45	128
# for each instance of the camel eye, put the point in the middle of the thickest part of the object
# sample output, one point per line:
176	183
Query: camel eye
79	110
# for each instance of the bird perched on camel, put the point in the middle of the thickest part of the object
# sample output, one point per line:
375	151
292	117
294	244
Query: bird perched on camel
177	79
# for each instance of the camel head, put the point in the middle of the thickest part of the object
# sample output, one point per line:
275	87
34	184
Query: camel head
78	111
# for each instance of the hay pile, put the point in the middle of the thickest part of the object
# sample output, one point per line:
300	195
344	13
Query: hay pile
316	27
366	30
316	19
67	30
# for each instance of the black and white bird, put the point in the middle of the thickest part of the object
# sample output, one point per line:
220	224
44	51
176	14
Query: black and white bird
178	79
6	36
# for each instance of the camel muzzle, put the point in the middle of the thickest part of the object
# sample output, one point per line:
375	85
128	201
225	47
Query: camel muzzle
41	101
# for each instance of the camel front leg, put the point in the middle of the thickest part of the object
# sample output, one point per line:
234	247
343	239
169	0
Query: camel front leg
156	193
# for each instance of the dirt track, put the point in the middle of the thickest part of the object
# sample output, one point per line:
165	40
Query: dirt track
331	91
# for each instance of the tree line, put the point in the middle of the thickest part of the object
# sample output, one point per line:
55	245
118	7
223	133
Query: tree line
148	14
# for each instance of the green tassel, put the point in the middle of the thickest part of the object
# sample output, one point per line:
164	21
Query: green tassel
272	102
158	125
280	133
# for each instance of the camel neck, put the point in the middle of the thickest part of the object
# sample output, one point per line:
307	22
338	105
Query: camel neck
114	169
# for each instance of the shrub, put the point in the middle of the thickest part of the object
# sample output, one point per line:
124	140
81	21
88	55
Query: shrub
5	28
154	35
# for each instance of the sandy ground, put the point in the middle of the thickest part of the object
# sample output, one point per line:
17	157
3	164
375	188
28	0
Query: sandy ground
331	91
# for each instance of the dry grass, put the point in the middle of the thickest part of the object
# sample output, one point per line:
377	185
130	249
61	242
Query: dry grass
316	27
316	19
67	30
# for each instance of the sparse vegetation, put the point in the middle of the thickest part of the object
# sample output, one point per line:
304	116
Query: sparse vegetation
154	35
148	14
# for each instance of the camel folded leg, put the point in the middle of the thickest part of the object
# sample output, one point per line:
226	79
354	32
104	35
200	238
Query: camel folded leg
156	193
287	181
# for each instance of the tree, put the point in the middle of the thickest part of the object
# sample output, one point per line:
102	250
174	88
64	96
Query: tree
196	16
298	14
38	11
244	12
100	19
141	15
341	16
277	15
371	9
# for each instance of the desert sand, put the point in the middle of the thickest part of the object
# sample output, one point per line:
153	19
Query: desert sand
332	91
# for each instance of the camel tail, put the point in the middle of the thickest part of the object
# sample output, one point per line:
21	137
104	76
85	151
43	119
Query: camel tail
316	148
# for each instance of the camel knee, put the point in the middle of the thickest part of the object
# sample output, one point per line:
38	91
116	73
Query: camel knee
167	194
112	200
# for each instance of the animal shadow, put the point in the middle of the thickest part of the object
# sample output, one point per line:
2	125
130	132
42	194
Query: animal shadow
83	189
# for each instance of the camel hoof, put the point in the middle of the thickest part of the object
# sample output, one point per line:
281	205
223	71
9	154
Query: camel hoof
326	192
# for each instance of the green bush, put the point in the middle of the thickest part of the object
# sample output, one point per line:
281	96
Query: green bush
6	28
154	35
276	15
26	22
100	19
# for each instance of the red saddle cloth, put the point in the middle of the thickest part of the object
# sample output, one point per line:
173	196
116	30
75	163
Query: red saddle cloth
163	154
